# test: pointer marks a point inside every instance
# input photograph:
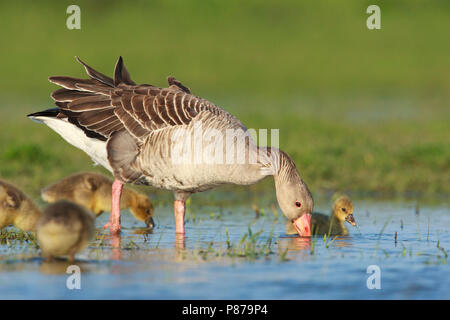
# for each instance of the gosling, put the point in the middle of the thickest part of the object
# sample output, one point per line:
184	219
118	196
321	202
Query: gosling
16	208
334	225
64	229
93	191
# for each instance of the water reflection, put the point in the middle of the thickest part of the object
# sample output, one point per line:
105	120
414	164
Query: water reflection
144	231
58	266
293	243
115	241
143	259
180	246
343	241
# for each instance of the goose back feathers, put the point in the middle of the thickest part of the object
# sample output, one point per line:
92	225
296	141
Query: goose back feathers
128	128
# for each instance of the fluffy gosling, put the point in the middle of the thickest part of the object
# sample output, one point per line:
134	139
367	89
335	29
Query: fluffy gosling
16	208
63	229
93	191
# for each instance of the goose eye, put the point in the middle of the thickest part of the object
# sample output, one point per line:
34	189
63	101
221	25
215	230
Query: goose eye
298	204
343	209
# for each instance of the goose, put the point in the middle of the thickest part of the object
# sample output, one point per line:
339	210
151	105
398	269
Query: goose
16	208
63	229
167	138
93	191
334	224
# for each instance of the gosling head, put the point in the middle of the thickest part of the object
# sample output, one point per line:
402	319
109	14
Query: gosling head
9	204
142	209
16	208
343	210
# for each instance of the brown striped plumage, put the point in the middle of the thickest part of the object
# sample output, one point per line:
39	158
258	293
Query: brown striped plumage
104	105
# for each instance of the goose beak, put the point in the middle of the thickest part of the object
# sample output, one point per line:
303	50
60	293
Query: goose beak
150	223
350	219
303	225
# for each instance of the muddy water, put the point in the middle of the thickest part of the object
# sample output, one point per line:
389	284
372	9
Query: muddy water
154	264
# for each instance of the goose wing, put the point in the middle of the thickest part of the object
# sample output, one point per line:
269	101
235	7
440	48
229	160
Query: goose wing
102	105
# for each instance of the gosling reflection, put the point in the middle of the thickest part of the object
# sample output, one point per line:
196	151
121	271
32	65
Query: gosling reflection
58	266
143	231
341	241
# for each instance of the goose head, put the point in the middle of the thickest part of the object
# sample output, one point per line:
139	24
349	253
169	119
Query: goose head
296	202
293	194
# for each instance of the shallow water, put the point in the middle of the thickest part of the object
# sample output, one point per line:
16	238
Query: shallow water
156	265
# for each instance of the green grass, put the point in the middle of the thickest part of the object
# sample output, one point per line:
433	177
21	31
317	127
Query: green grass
359	111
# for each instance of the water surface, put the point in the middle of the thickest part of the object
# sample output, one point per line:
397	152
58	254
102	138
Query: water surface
155	264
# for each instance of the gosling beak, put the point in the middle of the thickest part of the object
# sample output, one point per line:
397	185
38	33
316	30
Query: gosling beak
303	225
350	219
150	223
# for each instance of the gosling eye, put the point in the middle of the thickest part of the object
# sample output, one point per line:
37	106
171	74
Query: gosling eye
343	209
298	204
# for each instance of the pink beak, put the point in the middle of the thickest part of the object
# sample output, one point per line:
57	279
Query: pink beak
303	225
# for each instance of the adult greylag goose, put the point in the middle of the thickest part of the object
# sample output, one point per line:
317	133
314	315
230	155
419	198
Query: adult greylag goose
161	137
63	229
93	191
16	208
334	224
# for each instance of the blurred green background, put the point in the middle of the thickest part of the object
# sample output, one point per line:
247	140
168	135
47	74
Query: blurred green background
361	111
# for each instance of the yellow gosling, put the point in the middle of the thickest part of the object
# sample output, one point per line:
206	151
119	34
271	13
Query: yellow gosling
93	191
16	208
334	224
64	229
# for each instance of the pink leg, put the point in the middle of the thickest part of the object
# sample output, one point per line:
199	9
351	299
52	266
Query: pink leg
114	221
179	216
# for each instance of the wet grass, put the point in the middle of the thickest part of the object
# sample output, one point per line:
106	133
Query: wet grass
13	236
